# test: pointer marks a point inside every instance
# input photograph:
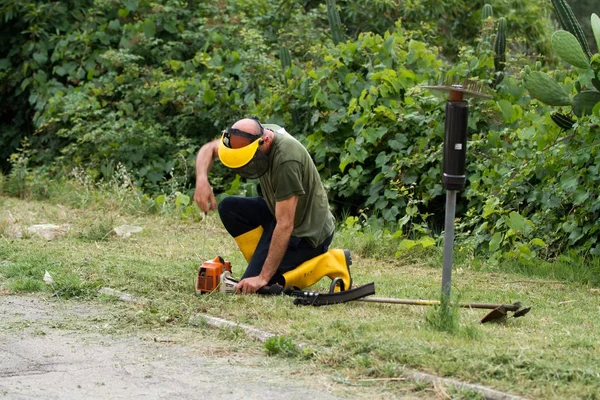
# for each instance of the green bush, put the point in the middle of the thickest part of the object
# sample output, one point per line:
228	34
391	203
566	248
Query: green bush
90	86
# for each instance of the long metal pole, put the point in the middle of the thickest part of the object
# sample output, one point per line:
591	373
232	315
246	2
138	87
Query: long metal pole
508	307
448	243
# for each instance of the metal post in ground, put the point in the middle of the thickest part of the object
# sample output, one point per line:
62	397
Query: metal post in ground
448	243
453	174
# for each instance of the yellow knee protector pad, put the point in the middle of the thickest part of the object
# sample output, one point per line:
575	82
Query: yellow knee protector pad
248	241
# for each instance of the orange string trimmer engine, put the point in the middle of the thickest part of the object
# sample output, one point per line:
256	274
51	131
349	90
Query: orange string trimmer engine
209	274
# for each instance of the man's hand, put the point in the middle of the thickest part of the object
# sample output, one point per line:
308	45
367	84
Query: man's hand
204	197
250	285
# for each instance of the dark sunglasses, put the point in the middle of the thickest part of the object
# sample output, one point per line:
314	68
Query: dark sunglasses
231	131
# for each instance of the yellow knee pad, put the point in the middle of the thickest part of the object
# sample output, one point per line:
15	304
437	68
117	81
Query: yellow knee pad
248	241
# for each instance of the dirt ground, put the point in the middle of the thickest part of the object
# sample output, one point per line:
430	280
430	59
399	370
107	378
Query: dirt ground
50	349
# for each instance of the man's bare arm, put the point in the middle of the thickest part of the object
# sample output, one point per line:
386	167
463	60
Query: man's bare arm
203	194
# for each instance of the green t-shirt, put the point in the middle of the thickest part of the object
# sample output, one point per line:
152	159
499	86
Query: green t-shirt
292	172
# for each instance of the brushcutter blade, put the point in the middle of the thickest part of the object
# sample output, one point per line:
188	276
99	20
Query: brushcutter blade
498	314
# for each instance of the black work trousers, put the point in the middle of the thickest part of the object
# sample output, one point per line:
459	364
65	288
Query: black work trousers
243	214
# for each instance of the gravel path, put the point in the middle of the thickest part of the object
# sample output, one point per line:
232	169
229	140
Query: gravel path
41	356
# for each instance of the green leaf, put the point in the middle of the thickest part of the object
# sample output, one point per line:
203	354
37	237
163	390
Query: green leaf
182	199
537	242
407	244
345	160
40	77
60	70
351	221
170	27
388	45
131	5
516	222
209	96
427	241
149	28
495	242
580	196
123	12
154	176
524	249
114	24
569	181
596	110
490	206
160	199
526	133
584	102
5	63
40	57
506	107
595	22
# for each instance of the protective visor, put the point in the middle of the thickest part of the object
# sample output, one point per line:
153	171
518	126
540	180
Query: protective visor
237	158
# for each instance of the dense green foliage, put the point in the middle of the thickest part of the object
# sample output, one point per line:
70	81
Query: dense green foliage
104	83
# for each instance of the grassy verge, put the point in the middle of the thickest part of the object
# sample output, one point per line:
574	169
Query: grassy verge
552	353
